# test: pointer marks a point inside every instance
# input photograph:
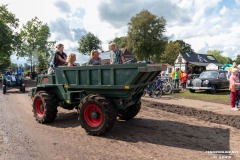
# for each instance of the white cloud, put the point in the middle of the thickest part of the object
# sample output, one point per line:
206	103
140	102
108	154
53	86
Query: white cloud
203	24
223	10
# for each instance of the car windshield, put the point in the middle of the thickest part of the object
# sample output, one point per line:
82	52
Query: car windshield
209	74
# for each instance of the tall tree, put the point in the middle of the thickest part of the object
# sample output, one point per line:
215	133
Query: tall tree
173	48
9	38
238	59
88	43
219	57
145	35
14	66
26	67
121	42
171	52
35	36
185	47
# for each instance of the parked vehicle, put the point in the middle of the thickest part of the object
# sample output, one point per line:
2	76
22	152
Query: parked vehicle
10	80
210	81
99	93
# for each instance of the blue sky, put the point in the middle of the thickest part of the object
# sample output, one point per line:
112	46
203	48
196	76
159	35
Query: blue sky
204	24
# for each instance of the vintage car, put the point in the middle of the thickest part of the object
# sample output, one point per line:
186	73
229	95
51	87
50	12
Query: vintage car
210	80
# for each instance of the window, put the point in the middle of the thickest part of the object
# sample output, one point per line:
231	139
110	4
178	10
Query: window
222	75
211	58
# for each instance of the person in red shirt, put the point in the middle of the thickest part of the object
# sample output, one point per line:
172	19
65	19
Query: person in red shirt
184	78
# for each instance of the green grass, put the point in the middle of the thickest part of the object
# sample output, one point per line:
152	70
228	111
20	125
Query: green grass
222	96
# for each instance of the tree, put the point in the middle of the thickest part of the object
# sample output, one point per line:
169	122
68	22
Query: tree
218	55
121	42
88	43
238	59
145	35
9	39
185	47
171	52
26	67
42	63
35	36
14	66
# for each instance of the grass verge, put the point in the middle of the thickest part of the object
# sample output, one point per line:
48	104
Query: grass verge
222	96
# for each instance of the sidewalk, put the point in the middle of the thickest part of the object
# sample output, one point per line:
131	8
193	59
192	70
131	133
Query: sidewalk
197	104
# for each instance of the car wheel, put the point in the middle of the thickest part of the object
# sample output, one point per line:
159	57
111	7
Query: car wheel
192	90
214	89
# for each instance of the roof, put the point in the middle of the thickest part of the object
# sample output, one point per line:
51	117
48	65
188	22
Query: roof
199	58
204	64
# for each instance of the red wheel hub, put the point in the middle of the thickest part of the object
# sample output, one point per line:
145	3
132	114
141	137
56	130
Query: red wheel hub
39	107
93	115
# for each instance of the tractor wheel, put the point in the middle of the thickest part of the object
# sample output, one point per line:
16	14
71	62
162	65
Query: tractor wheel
45	107
129	112
23	88
4	82
96	114
4	88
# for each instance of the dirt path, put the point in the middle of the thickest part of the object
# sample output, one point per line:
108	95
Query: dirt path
153	134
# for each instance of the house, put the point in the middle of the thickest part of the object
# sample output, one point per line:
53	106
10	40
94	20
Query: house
167	68
195	63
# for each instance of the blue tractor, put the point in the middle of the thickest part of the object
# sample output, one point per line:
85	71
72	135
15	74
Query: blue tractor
11	80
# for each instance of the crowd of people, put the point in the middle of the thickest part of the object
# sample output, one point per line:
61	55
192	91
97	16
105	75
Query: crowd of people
179	78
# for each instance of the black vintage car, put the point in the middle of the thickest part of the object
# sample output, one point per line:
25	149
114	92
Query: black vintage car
210	81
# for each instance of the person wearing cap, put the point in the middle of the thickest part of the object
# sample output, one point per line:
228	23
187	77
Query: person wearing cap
230	69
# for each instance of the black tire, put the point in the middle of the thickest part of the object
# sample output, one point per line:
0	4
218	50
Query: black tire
192	90
44	107
105	115
4	82
214	89
4	88
23	88
129	112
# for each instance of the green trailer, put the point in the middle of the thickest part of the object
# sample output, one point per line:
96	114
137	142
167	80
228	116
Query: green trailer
99	93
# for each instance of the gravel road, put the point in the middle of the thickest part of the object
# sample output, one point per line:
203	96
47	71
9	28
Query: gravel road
155	133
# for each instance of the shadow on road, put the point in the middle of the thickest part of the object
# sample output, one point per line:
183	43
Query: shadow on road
170	133
66	120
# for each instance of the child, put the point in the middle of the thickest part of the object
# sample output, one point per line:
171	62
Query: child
234	87
71	59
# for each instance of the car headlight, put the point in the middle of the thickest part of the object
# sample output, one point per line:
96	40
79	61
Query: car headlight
206	82
188	82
